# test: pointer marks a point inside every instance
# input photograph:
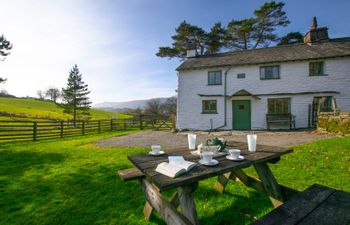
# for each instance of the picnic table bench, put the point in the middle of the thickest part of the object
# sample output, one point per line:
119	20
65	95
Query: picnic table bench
281	119
154	184
317	205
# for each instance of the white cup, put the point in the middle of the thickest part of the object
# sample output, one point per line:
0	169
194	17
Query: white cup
155	149
235	153
251	139
207	156
192	141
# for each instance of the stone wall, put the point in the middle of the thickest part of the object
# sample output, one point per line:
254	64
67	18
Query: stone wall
335	122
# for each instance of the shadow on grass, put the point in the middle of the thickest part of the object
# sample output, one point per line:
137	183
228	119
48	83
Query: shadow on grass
44	188
20	183
16	163
236	205
33	190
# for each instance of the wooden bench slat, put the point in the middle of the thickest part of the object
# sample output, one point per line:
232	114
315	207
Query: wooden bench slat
285	118
298	207
335	210
130	174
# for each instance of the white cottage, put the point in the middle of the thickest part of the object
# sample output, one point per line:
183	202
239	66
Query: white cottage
285	85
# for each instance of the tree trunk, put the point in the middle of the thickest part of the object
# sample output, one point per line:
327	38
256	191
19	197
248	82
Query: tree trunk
74	116
259	39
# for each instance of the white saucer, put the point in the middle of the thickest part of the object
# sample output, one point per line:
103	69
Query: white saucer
213	162
159	153
240	158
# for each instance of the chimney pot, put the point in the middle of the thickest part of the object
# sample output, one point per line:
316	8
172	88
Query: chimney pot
314	23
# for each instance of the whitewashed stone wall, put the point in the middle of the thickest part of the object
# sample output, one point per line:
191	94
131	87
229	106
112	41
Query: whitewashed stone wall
294	78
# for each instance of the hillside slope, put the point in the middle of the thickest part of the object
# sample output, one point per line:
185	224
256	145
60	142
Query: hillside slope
21	108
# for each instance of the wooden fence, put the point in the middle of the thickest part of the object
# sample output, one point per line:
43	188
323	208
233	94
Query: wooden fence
40	130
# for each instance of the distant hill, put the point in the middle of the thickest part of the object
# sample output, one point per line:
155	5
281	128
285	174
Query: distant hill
26	108
124	106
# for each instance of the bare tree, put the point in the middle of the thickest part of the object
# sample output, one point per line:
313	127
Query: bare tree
169	106
156	107
153	107
53	94
40	94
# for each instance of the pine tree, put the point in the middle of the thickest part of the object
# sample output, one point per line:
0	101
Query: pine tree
254	32
291	38
186	34
76	101
270	16
239	33
216	38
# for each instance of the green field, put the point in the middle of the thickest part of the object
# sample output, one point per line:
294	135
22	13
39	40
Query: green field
33	109
71	181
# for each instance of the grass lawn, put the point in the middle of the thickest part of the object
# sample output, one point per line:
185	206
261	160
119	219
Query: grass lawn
71	181
34	109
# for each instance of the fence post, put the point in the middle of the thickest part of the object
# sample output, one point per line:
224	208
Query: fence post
111	124
35	127
82	127
141	125
61	129
99	126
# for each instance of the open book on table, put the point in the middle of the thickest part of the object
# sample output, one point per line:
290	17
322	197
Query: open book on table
176	166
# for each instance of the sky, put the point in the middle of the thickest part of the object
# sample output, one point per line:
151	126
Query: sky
114	42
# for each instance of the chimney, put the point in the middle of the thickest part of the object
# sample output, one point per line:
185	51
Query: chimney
314	23
316	34
191	50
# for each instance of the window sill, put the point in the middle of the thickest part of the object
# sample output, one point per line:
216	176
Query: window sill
214	84
209	112
270	78
321	75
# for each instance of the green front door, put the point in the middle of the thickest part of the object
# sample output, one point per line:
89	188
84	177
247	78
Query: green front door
241	115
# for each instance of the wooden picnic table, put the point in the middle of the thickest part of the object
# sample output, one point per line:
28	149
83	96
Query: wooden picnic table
154	183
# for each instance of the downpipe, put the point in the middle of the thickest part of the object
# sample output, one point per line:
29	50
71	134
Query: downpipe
225	98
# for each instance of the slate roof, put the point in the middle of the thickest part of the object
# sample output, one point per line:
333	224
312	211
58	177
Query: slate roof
337	47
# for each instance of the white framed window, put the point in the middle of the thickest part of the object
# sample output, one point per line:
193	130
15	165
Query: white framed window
278	105
316	69
269	72
209	106
214	77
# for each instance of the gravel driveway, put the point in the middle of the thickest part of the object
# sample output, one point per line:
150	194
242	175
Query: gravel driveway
174	140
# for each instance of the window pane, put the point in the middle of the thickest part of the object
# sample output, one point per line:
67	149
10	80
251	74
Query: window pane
316	68
214	77
269	72
271	106
209	106
211	78
217	78
275	71
212	105
279	105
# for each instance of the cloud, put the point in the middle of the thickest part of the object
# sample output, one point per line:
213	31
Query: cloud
49	37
